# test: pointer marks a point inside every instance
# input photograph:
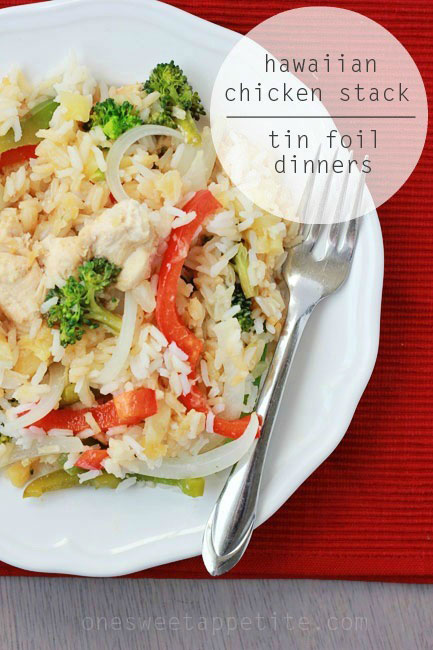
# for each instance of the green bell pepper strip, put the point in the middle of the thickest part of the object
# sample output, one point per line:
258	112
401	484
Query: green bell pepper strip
62	480
38	118
192	487
58	480
69	396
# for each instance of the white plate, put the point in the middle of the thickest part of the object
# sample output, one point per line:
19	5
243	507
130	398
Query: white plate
100	533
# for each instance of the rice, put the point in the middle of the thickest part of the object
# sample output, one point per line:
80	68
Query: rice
92	423
56	433
270	328
116	431
186	386
258	325
126	483
86	433
71	460
184	219
53	196
210	419
56	349
39	374
231	312
204	373
175	383
49	449
46	306
89	476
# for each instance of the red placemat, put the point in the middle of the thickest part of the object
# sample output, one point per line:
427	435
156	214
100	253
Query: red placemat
367	512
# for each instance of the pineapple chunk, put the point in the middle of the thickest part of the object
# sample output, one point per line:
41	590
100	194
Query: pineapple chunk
170	185
65	214
33	351
265	242
19	473
41	344
27	362
155	430
91	169
6	356
77	106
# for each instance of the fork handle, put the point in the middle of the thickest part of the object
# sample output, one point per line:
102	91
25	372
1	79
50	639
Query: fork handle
231	523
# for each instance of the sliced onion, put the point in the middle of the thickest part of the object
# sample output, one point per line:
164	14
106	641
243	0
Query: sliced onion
183	158
121	146
41	447
119	358
45	405
205	464
196	164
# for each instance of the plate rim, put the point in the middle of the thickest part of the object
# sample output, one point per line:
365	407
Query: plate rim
60	562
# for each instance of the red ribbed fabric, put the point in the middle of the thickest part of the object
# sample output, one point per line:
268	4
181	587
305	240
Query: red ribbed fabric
367	512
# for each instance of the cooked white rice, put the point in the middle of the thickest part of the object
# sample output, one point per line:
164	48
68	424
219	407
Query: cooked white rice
52	196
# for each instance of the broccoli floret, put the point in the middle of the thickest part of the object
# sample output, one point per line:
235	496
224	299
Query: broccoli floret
241	268
113	118
174	93
244	315
77	306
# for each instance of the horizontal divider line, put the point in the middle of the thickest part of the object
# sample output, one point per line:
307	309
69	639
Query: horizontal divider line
321	117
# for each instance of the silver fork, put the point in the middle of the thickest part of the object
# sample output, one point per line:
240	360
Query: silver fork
310	277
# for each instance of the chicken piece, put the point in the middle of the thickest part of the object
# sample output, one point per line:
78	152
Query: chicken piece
61	257
125	236
21	289
10	225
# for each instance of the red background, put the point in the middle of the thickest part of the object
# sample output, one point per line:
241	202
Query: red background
367	512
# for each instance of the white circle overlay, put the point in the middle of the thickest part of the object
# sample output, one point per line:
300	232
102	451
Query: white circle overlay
317	103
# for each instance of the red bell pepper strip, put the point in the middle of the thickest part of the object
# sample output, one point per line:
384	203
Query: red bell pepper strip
203	204
18	155
135	402
92	459
141	404
228	428
74	419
